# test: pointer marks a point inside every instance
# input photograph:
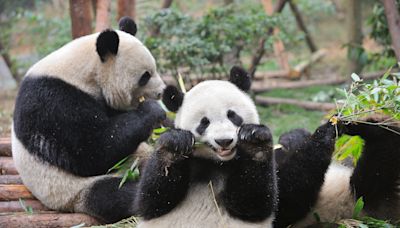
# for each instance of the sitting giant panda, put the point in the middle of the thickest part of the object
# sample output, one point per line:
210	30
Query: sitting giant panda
78	113
376	177
230	180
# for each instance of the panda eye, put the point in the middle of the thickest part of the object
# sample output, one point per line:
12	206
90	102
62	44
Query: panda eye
234	118
144	78
204	122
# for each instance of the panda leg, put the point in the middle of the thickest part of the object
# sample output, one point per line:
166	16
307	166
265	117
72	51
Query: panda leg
250	192
376	176
106	201
165	178
301	175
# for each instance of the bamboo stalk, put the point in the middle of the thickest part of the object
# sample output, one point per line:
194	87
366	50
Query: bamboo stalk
5	147
17	206
14	192
10	179
7	166
46	220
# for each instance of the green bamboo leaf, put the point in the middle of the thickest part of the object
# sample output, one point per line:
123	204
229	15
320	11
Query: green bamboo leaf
118	165
358	208
355	77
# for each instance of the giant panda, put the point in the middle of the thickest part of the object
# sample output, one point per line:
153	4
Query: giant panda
78	113
229	179
375	178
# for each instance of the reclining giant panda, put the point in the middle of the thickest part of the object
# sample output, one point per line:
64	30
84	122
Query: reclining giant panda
77	114
232	180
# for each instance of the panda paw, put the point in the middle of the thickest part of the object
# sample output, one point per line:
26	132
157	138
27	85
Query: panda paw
176	144
153	110
254	139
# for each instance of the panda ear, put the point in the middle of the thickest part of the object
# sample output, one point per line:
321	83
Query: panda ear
128	25
107	44
240	78
172	98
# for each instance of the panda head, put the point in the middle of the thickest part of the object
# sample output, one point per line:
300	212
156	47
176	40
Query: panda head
214	111
127	70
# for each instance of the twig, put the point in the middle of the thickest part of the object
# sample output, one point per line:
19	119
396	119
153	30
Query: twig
215	202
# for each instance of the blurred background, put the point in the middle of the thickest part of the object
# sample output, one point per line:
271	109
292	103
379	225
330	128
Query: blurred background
298	51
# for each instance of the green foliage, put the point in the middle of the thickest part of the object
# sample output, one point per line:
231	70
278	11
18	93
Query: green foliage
200	45
127	168
362	99
348	146
358	208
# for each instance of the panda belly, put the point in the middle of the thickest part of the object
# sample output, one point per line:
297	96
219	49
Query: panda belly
335	201
199	209
55	188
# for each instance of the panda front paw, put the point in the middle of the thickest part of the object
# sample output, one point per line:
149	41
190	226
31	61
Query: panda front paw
175	144
153	111
256	140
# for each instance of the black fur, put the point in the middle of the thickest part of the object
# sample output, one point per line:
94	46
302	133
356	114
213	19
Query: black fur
376	176
204	123
301	175
172	98
249	193
240	78
108	202
68	128
291	142
128	25
144	79
235	118
107	44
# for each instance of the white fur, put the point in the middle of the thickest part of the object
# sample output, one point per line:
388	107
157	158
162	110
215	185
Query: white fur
220	97
335	201
78	64
200	210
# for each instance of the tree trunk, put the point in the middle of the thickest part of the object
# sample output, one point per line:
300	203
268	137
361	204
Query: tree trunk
300	23
393	19
354	34
166	4
81	17
279	47
255	60
126	8
102	15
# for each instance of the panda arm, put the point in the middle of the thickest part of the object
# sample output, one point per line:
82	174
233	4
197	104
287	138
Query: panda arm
68	128
164	182
301	175
250	189
376	175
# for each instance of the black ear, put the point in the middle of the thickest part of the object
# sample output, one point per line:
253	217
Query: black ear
107	44
240	78
172	98
128	25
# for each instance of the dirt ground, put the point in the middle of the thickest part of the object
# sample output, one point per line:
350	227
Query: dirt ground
7	100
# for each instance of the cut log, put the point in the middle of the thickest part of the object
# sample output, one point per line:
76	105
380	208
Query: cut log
10	179
46	220
303	104
14	192
5	147
17	206
300	68
333	80
7	166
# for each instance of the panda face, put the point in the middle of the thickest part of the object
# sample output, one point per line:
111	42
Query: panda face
129	75
214	111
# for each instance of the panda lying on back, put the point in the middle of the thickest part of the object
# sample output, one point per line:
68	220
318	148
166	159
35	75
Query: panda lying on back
77	114
230	180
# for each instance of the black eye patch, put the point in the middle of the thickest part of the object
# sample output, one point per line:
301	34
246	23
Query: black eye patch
204	122
235	118
144	79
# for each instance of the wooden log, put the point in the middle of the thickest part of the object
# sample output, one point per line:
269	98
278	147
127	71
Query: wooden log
333	80
46	220
300	68
10	179
17	206
5	147
14	192
309	105
7	166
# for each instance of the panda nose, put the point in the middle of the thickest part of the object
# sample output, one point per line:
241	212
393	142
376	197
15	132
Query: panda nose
224	143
